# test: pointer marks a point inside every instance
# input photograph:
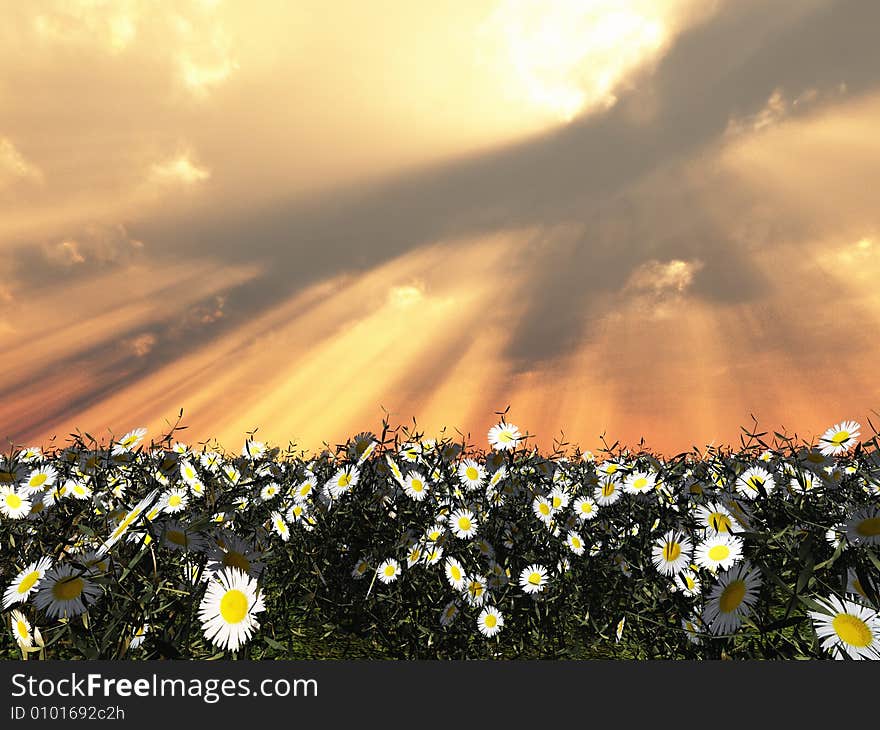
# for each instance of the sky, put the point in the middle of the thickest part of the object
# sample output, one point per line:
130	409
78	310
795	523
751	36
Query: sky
630	220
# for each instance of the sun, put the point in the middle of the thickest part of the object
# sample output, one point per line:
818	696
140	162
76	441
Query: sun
565	58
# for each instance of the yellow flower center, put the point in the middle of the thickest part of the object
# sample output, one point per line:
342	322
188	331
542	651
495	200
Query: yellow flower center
233	606
6	477
37	480
13	500
608	489
28	582
535	578
852	630
22	629
491	621
719	522
472	473
505	437
586	508
544	508
732	596
178	537
464	524
417	485
869	527
174	500
389	570
840	437
67	589
671	551
640	483
718	553
575	543
233	559
344	480
455	572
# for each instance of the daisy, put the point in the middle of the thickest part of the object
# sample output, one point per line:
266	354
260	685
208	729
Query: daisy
65	592
543	508
854	585
490	621
179	537
463	523
253	449
270	491
714	518
31	453
618	631
410	452
174	500
343	481
575	542
388	570
415	486
229	607
128	521
471	474
688	583
584	509
718	552
847	629
455	573
78	489
279	526
188	471
731	599
40	478
26	582
360	569
129	442
751	481
639	482
138	636
449	613
475	590
864	527
805	481
395	469
211	460
533	578
671	553
13	504
608	492
21	629
839	438
559	498
504	436
433	555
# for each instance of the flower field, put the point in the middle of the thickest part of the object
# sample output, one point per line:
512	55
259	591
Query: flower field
394	545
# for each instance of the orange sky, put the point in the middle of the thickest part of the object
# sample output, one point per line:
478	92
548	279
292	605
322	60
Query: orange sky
637	218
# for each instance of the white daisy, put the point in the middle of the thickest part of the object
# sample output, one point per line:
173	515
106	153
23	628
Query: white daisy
229	607
21	629
343	481
174	500
253	449
455	573
471	474
490	621
639	482
463	523
138	636
415	486
543	509
40	478
14	504
752	480
533	578
504	436
671	553
65	592
127	521
718	552
360	569
585	509
575	542
449	613
714	518
475	587
608	492
839	438
863	528
688	582
731	599
847	629
129	442
279	526
388	570
26	582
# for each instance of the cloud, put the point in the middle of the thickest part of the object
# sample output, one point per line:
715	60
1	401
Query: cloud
14	166
179	169
142	345
95	245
